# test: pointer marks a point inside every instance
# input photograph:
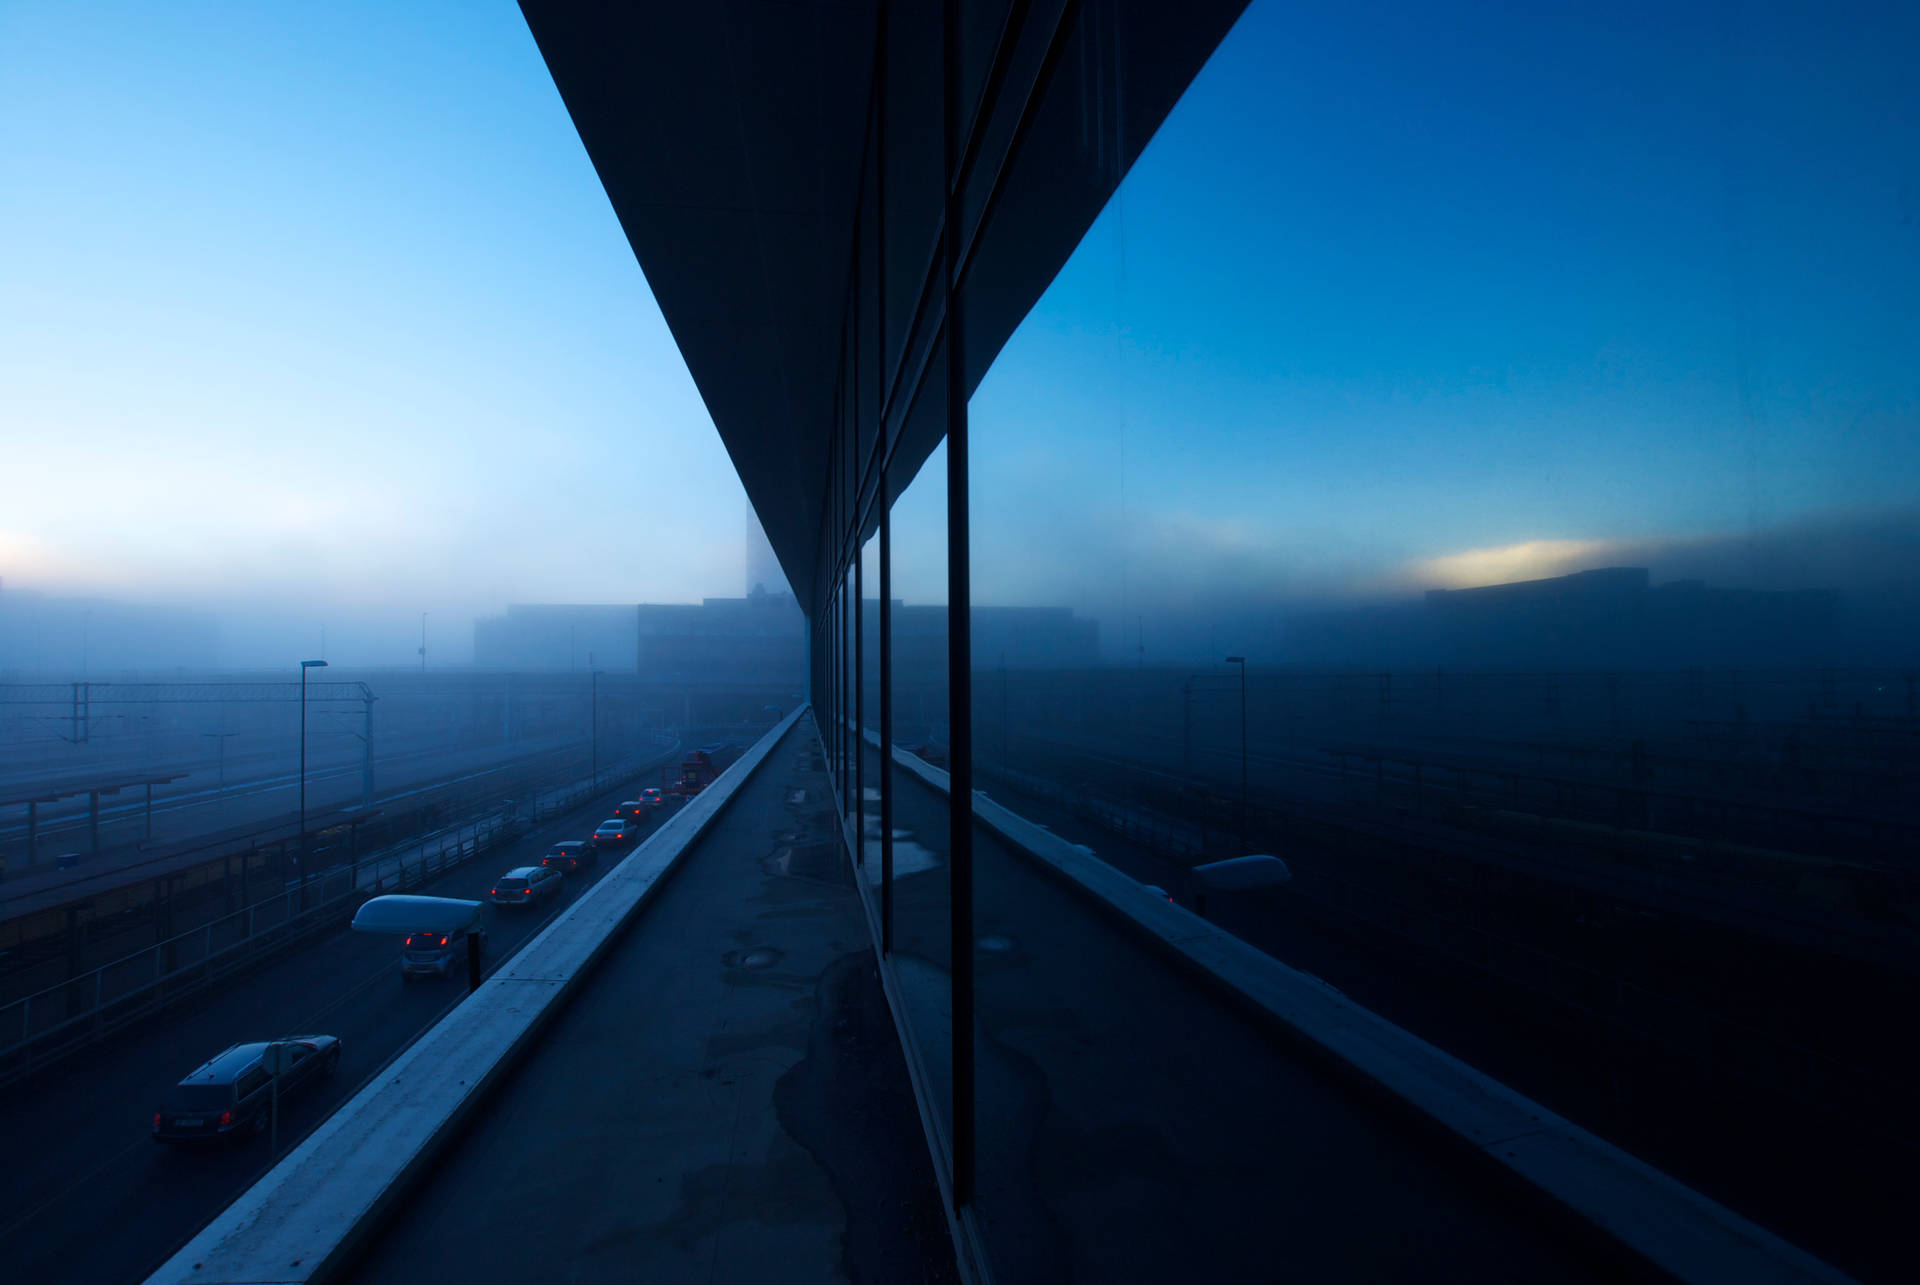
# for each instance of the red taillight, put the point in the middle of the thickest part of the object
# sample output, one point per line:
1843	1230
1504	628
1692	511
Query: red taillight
156	1121
526	892
443	941
493	892
226	1119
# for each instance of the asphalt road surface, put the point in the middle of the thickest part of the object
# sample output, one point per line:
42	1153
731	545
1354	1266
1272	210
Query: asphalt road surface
86	1195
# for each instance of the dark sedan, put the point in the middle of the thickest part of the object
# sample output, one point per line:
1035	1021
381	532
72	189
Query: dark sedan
571	855
230	1095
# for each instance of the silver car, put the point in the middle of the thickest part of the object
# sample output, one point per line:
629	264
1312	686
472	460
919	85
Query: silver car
525	886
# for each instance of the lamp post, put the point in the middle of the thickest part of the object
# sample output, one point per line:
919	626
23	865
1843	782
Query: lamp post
593	722
220	739
1186	724
1242	662
305	665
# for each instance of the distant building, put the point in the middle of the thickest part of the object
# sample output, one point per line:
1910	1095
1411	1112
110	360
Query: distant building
763	567
558	636
764	636
1610	616
1014	637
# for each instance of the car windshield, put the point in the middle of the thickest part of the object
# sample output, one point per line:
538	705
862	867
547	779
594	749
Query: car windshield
511	884
198	1097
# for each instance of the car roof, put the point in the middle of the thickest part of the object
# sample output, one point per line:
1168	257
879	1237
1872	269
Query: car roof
627	803
568	844
613	823
225	1067
521	872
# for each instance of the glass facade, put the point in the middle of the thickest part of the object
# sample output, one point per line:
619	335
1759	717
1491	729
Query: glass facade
1477	464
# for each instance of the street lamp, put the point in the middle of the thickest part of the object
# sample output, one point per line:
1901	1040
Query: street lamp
305	665
220	738
1186	724
594	723
1242	662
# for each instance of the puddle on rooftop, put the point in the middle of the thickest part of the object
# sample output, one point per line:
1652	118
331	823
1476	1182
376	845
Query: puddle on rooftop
816	861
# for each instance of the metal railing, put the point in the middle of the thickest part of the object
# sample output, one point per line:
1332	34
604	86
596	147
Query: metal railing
1627	1009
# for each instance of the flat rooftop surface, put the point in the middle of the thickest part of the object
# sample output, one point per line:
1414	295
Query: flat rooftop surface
725	1100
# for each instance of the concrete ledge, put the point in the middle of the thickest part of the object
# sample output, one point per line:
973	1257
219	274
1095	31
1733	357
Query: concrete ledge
308	1215
1649	1217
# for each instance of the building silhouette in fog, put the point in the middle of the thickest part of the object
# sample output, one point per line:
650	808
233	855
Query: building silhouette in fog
762	637
1610	617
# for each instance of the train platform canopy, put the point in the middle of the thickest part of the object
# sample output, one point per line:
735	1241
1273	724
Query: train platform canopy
44	887
54	788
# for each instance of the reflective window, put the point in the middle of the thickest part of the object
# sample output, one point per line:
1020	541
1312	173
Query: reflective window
1475	459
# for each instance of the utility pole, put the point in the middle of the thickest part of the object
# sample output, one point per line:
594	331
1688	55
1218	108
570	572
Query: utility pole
305	665
595	722
1186	726
366	747
1242	662
220	739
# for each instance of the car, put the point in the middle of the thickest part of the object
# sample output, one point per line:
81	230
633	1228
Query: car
435	954
616	832
652	798
632	810
570	855
525	886
230	1095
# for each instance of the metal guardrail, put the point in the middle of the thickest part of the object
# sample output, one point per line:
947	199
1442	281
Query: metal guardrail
37	1029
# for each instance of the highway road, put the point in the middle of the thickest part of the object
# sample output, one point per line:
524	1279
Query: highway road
86	1195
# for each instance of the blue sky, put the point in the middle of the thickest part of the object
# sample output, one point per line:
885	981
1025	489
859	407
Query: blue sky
319	314
1390	288
323	308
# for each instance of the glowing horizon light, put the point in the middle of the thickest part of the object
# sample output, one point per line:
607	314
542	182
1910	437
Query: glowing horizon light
1507	564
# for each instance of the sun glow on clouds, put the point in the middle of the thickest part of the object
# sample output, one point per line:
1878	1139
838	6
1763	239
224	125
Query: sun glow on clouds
27	561
1505	564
